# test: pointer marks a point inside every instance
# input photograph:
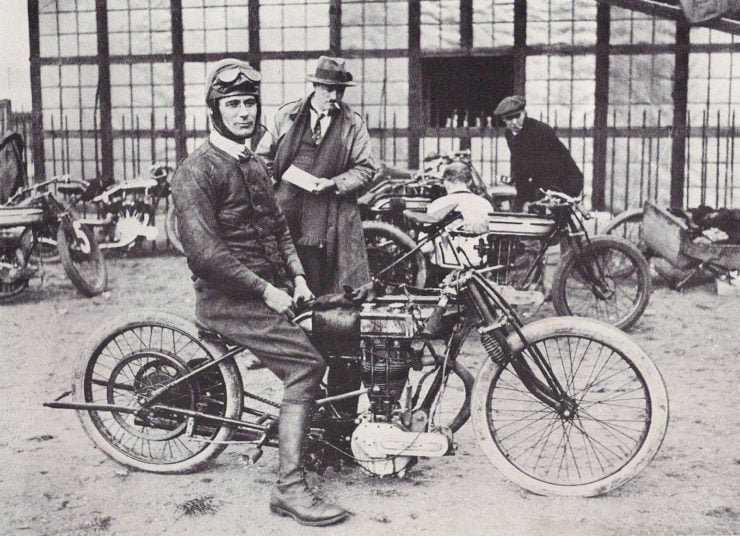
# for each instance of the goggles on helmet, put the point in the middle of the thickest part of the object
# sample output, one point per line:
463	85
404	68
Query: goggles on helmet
234	80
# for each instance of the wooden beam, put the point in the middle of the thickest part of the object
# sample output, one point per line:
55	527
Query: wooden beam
416	92
601	113
680	99
37	106
104	97
466	24
520	46
659	9
335	27
178	79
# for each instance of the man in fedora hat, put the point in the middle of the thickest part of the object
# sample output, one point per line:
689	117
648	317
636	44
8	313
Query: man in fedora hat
320	134
246	271
539	160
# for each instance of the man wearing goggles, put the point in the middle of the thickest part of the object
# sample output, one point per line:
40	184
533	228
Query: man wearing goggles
246	270
539	160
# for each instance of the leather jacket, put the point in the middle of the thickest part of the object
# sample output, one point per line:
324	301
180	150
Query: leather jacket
233	232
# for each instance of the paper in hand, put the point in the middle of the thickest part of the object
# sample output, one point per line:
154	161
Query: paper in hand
302	179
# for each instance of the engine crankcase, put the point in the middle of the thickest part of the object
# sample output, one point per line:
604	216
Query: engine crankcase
384	448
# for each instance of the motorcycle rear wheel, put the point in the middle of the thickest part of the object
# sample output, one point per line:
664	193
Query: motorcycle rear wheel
609	280
82	260
134	355
614	430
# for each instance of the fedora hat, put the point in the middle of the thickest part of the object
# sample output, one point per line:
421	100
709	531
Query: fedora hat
331	72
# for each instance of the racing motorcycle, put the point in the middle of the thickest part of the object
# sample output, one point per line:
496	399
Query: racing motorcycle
32	215
561	406
126	210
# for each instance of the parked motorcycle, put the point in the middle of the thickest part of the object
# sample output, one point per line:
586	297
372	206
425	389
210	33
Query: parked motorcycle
601	277
126	210
34	213
561	406
391	188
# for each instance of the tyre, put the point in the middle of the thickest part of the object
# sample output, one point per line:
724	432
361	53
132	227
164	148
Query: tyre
170	229
608	434
386	243
608	280
46	249
132	356
628	225
82	259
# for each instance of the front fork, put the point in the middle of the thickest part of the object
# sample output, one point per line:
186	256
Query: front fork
543	386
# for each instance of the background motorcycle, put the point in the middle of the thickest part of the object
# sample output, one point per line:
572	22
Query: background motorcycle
392	188
34	213
126	210
601	277
560	406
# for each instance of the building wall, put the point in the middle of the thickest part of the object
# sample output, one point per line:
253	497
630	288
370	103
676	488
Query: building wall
284	38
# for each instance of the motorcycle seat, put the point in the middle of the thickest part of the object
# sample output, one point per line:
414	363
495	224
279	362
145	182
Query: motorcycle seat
215	337
424	220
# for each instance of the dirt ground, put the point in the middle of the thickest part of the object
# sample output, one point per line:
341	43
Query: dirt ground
54	481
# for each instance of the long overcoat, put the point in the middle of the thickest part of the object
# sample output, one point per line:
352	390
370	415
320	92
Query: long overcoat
346	250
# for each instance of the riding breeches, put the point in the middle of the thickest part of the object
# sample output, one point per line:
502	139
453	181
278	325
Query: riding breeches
282	346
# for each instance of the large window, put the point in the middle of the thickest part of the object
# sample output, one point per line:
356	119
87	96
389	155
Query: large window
560	88
215	25
139	27
640	89
493	23
381	94
67	28
70	104
283	81
294	25
632	27
561	22
440	24
375	25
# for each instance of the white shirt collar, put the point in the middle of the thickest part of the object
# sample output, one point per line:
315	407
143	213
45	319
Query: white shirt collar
225	144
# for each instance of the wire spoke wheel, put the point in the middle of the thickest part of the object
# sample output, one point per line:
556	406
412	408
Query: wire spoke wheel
607	280
605	429
137	360
82	259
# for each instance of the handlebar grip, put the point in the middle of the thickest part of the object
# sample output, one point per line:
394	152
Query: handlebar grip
435	320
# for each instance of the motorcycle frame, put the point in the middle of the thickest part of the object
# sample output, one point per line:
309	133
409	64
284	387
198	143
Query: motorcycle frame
480	305
568	226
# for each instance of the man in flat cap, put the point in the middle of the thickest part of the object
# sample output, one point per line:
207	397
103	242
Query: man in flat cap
246	270
539	160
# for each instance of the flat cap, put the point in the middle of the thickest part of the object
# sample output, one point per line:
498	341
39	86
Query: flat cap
510	105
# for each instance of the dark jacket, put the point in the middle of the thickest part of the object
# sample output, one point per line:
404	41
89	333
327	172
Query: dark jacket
540	160
233	233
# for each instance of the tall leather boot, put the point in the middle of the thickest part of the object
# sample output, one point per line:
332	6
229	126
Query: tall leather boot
292	496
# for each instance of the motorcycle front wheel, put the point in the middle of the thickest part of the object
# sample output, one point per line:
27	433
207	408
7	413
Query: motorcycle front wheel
609	430
129	358
82	259
608	279
385	244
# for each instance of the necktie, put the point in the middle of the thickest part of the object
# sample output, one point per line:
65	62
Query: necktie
316	134
245	155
